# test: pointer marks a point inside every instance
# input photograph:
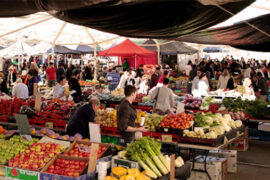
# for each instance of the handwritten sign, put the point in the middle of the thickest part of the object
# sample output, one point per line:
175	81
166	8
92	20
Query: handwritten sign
23	124
95	135
166	138
38	102
93	157
180	108
241	89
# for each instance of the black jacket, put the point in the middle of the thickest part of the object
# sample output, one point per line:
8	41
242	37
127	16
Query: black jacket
262	86
88	73
80	120
74	85
230	84
3	87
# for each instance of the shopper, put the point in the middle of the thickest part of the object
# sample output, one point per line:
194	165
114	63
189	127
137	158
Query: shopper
232	81
143	87
140	71
188	68
203	87
69	71
126	116
249	91
74	85
32	80
60	71
165	75
247	71
59	91
11	76
195	81
24	76
262	87
223	79
164	99
51	75
20	90
88	72
125	65
80	120
123	79
155	77
113	79
3	84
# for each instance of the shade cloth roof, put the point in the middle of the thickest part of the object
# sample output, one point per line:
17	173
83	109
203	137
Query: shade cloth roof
171	48
126	48
121	16
212	49
239	35
62	50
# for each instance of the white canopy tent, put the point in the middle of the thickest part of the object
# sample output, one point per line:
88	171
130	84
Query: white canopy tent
18	48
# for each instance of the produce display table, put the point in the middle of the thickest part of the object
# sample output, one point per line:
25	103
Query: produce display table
259	120
195	150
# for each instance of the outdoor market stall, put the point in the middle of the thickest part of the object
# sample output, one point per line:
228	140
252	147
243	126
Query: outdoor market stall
135	54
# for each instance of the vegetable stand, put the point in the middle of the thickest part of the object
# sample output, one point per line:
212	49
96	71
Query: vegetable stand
203	150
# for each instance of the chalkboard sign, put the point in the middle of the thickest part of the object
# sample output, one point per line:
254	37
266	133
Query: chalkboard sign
23	124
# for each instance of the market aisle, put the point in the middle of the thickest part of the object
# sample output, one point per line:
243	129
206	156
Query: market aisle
258	153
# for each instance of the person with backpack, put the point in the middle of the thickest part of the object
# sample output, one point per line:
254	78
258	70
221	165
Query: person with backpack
164	99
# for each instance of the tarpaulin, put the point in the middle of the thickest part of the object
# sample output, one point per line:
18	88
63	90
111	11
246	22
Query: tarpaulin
132	18
239	35
84	49
171	48
62	50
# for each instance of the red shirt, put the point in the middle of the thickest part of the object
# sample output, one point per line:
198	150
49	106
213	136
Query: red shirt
51	74
161	79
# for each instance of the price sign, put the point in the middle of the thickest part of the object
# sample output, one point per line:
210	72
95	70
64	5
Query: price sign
241	89
23	124
93	157
35	89
38	102
95	135
180	108
166	138
49	125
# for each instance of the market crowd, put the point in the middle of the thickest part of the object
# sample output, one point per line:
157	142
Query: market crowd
201	78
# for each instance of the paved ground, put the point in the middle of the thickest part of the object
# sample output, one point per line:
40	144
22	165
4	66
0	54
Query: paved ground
258	154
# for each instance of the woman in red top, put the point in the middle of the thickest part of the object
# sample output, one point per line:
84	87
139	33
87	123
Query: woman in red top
165	75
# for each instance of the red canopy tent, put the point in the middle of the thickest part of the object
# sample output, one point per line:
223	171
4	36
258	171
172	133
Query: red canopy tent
135	54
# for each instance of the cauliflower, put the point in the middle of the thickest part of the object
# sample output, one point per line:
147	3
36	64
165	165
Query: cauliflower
238	123
227	116
218	130
211	135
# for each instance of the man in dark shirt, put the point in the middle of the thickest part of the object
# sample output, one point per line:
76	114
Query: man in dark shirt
126	116
155	77
140	71
262	87
80	120
88	72
60	71
74	85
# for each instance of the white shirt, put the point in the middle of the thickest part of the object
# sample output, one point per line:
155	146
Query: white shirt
20	90
223	82
58	91
188	69
247	73
203	88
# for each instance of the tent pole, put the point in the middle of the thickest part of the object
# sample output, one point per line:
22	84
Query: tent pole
95	51
158	49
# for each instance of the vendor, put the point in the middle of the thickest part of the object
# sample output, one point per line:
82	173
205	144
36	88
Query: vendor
80	120
59	91
249	92
232	84
75	85
203	87
164	99
126	116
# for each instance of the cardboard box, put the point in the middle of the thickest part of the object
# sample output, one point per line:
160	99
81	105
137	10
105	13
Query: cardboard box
22	174
264	127
47	176
230	155
216	167
240	144
124	163
105	153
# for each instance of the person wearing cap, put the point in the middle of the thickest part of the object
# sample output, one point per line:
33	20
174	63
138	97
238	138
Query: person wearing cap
51	74
83	115
155	77
232	81
20	90
75	85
